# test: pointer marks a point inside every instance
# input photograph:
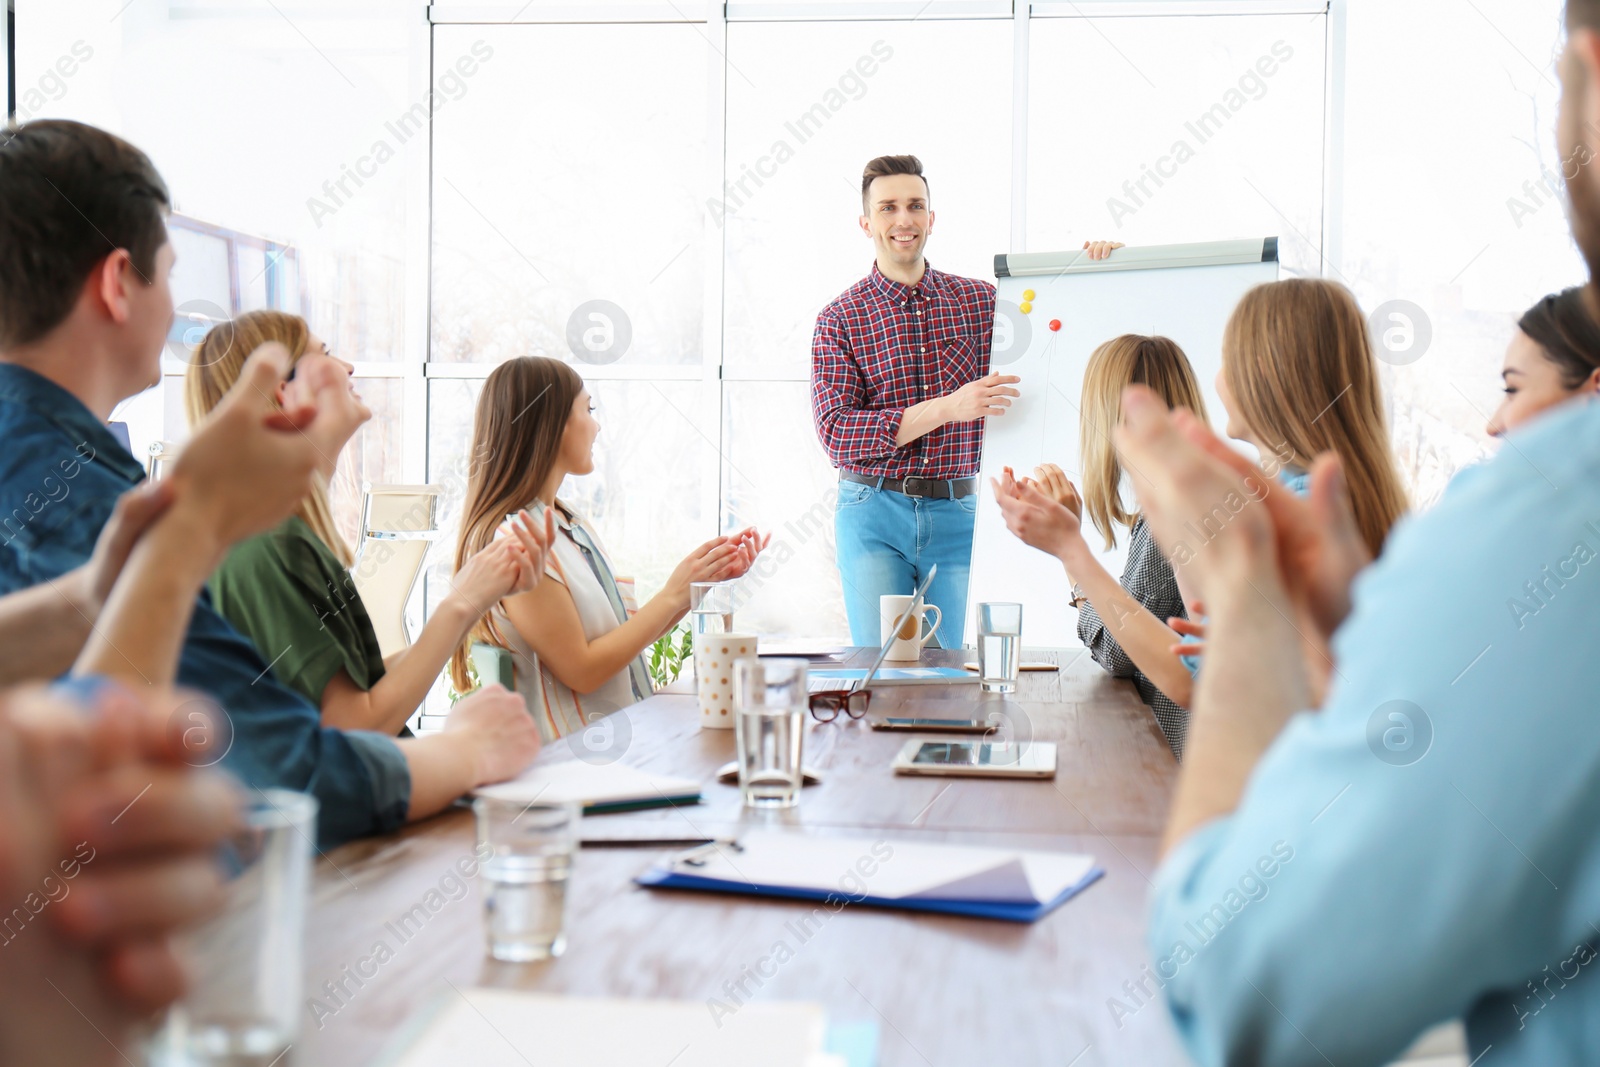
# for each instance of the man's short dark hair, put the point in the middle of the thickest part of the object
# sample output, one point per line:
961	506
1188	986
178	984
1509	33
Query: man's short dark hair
1583	13
70	195
884	166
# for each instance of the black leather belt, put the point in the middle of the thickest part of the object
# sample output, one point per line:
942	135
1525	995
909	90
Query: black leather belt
930	488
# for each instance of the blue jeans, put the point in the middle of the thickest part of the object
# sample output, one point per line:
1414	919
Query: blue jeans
886	543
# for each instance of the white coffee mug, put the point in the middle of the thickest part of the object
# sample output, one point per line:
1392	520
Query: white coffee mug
911	640
714	657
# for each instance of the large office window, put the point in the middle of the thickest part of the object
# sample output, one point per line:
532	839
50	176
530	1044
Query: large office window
568	222
1452	210
267	127
570	174
1160	130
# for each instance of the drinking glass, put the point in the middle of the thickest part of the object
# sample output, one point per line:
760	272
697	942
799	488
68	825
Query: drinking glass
999	646
710	610
711	607
525	876
246	998
769	706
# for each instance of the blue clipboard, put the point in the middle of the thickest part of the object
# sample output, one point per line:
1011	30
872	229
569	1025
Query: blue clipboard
663	878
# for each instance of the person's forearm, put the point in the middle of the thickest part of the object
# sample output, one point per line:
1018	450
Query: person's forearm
443	767
407	679
919	420
610	653
141	630
43	629
1146	639
1254	680
672	624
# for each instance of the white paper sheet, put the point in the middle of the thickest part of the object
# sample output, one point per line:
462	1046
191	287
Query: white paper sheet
507	1028
891	869
576	781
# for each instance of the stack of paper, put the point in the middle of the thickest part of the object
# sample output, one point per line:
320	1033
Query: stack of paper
600	788
505	1028
994	883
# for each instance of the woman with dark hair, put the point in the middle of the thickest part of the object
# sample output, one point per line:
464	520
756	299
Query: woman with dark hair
577	641
1555	357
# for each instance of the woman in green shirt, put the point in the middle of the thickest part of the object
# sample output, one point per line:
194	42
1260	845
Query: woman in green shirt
290	591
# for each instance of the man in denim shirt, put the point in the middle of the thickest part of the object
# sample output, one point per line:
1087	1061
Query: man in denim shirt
85	307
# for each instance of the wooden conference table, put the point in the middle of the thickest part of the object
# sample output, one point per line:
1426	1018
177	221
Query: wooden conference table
942	990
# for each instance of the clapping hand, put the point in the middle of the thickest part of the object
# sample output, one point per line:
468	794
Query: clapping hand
107	814
250	463
1036	519
509	565
1295	557
1054	483
1193	631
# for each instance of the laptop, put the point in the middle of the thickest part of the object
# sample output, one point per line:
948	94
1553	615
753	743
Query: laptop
826	678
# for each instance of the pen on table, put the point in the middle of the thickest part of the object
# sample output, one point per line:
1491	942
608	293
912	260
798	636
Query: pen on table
651	842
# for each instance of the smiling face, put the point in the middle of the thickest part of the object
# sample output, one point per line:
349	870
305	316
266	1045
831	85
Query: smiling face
898	220
577	440
1533	385
317	351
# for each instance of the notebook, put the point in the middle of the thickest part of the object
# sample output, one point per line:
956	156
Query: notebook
601	788
995	883
509	1028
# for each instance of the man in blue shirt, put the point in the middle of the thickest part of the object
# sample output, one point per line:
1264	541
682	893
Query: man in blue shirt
85	306
1426	845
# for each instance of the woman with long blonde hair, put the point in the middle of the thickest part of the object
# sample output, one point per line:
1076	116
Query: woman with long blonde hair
577	640
1047	513
290	591
1299	378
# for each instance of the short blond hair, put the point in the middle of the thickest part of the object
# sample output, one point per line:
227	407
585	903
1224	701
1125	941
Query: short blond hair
1131	359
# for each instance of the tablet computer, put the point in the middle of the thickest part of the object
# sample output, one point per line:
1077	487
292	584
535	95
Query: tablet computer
977	759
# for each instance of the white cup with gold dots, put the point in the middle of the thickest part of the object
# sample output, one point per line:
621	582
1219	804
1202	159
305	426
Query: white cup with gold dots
714	657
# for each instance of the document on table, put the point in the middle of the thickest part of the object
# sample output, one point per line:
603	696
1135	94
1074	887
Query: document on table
508	1028
999	883
608	786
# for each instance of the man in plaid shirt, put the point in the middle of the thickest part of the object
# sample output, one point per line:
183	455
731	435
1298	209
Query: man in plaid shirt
900	385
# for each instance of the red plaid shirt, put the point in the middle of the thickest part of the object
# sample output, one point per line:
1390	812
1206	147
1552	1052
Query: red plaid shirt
882	347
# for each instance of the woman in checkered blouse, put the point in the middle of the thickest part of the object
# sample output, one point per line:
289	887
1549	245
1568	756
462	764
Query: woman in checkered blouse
1121	622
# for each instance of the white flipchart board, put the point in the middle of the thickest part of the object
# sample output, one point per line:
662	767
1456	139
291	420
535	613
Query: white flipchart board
1185	292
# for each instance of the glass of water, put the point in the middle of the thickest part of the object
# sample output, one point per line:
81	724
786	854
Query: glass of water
711	607
710	610
246	998
525	876
769	707
999	646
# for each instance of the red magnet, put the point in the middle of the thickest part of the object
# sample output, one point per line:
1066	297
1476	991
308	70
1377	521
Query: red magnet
1055	324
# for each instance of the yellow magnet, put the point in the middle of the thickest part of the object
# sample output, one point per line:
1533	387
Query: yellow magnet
1027	294
1026	307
